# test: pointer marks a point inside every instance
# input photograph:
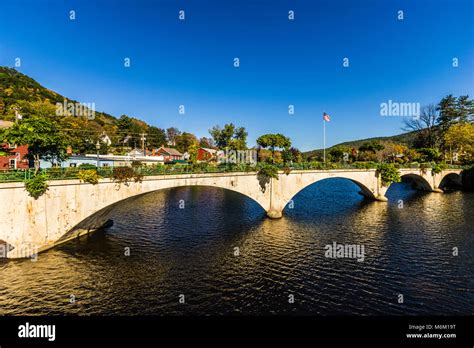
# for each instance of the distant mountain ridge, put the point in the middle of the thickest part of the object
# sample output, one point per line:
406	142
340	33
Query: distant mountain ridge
404	138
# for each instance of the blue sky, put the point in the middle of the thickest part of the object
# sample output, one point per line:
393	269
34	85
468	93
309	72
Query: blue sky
282	62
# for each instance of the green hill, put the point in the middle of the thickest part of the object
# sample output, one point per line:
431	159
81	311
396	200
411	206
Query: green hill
17	88
21	92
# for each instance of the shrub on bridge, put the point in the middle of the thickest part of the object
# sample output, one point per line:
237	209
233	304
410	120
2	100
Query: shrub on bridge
89	175
438	168
331	165
137	164
316	165
200	167
230	167
249	167
55	172
364	165
388	173
87	166
265	174
425	166
36	186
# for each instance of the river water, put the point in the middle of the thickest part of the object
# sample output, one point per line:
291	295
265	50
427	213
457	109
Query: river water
218	249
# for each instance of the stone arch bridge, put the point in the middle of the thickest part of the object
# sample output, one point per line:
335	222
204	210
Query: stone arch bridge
71	208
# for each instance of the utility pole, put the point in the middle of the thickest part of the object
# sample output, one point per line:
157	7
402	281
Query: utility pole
143	143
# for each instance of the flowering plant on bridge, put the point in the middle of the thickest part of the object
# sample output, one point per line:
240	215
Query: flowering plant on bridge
388	173
89	175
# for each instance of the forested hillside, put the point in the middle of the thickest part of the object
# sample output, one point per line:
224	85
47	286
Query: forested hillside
29	98
408	139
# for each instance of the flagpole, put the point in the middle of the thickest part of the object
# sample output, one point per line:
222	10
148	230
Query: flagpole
324	140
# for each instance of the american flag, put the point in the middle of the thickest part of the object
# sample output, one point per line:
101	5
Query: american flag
326	117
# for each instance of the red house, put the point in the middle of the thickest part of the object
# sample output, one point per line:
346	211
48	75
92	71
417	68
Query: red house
168	154
206	154
13	157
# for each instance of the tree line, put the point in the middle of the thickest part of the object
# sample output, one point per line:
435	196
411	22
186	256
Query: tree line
443	132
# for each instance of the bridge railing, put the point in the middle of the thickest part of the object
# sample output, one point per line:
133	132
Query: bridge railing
20	175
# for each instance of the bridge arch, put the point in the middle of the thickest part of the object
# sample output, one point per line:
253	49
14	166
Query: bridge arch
70	205
418	181
101	218
366	182
364	190
451	180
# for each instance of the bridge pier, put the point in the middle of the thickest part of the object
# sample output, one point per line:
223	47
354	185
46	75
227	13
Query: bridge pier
381	198
274	214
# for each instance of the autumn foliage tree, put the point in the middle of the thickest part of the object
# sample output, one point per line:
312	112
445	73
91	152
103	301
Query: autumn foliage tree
273	142
460	138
